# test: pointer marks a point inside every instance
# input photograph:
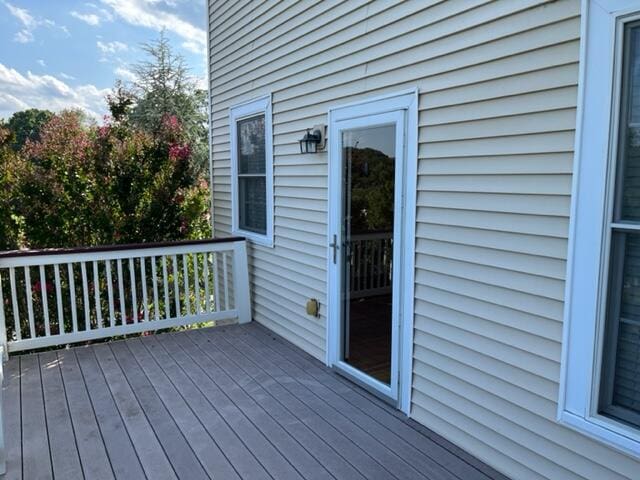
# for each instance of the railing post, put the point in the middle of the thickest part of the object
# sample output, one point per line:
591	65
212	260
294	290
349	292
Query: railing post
241	290
3	458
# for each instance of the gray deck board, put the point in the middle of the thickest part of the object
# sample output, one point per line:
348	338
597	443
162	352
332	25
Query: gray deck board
364	464
64	452
311	441
36	460
89	440
12	406
233	402
368	409
203	445
150	452
300	459
177	449
275	463
230	443
124	460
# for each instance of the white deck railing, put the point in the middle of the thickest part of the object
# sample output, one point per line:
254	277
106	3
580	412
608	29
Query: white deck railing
371	262
57	297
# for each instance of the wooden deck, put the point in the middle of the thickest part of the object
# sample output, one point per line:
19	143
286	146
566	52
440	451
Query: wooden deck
226	403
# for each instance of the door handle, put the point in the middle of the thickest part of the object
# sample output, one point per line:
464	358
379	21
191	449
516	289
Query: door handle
334	245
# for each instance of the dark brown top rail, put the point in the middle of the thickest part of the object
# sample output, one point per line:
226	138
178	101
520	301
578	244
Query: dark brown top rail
114	248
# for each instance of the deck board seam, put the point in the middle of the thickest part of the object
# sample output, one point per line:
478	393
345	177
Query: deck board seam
356	390
46	419
216	409
189	406
283	454
305	402
73	428
93	411
266	412
352	388
115	356
293	414
135	451
240	410
211	406
338	412
21	418
363	394
124	376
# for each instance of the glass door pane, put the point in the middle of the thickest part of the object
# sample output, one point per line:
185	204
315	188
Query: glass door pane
368	159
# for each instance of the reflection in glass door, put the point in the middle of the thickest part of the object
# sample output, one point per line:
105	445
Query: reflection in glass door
369	175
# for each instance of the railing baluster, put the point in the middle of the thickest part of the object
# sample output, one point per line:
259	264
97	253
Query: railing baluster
14	304
45	301
205	274
185	273
216	282
112	313
123	307
3	325
134	298
165	280
56	273
226	280
85	296
176	288
72	296
143	279
96	290
154	276
196	284
27	286
229	293
380	263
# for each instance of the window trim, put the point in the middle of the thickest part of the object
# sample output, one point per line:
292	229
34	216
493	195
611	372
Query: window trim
256	106
586	283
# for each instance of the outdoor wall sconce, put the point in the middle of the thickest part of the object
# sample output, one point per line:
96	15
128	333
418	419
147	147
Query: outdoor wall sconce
314	140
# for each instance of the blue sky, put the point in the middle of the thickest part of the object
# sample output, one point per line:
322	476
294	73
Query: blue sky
57	54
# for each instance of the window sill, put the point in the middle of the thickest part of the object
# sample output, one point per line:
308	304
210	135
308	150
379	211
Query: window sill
256	238
604	430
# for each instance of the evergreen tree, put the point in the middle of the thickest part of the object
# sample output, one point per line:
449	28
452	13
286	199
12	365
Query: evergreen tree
164	87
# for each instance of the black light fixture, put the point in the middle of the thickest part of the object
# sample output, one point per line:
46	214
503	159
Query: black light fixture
311	141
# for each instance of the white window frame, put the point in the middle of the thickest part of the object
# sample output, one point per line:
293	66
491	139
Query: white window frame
256	106
591	210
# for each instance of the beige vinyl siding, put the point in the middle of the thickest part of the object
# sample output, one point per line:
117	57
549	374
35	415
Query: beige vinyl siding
498	92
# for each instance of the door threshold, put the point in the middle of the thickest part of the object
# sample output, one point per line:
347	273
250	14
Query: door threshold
365	385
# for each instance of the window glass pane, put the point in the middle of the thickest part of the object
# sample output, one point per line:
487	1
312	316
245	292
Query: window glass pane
620	396
251	145
628	197
252	204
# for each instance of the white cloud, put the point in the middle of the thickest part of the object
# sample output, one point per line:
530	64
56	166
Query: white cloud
65	76
89	18
23	36
41	62
145	13
30	23
125	74
23	15
18	92
112	47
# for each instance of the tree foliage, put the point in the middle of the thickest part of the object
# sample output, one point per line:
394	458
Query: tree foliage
138	177
372	190
165	87
93	185
26	125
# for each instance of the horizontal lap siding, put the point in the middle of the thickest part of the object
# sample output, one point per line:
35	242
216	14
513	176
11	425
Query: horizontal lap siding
498	92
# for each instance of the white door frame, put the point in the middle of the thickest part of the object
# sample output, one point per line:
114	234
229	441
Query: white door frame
404	103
